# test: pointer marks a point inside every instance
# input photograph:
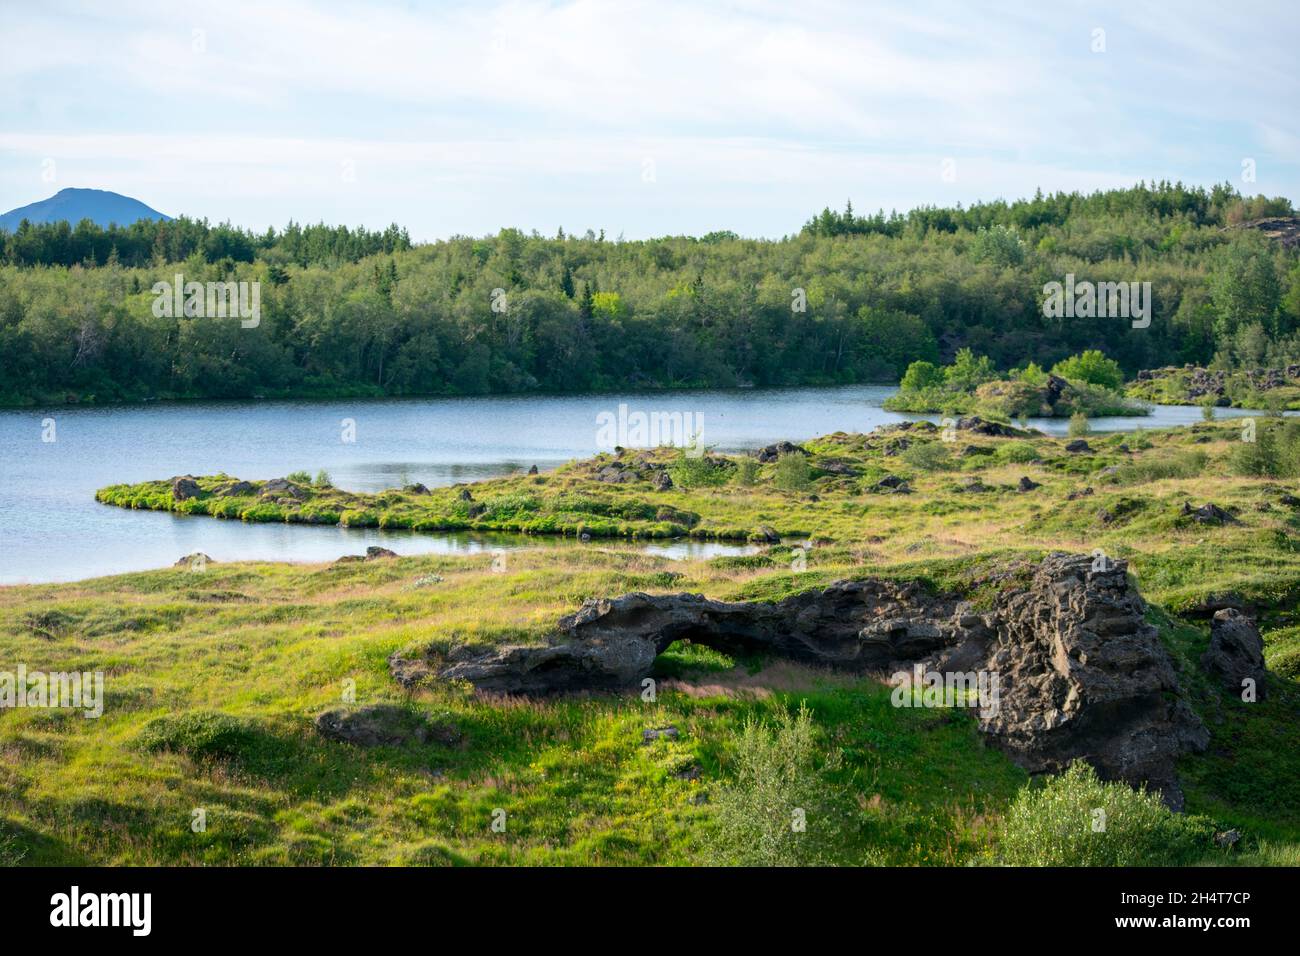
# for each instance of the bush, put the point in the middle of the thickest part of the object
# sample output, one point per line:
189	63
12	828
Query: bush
777	776
696	470
1275	452
1182	464
323	480
1078	425
792	472
1077	820
746	472
200	734
11	854
1092	367
298	477
928	456
1017	453
920	376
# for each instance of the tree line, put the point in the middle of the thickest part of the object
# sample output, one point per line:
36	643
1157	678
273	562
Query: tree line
351	312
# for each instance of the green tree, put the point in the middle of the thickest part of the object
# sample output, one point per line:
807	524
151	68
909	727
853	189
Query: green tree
1092	367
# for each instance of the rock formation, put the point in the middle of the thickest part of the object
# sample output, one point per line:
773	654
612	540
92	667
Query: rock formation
1080	674
1236	652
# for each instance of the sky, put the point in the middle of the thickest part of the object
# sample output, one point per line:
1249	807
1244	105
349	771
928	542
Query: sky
640	118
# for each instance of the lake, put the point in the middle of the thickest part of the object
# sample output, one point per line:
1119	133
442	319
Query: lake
52	529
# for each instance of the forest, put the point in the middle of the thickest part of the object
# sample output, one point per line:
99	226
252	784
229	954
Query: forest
846	299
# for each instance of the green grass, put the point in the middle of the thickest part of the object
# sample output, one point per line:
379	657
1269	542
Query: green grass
213	679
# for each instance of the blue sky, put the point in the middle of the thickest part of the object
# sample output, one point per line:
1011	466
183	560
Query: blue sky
642	119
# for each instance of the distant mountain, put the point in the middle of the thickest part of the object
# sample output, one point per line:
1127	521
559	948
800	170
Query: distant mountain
99	205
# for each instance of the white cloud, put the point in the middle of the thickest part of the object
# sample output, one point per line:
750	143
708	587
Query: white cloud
470	116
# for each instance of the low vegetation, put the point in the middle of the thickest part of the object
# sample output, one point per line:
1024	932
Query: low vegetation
214	677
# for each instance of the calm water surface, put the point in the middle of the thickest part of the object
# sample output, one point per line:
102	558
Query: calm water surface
52	529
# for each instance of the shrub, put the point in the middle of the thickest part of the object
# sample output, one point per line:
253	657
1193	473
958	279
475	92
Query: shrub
1078	425
746	472
1092	367
968	371
11	854
1077	820
298	477
692	469
201	734
792	472
921	375
1017	452
1182	464
928	456
323	480
776	777
1275	452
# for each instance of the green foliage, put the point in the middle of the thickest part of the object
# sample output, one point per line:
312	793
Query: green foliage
968	371
1274	453
354	313
322	480
1017	452
929	456
1078	426
1179	464
198	734
746	472
921	375
1000	245
299	477
792	472
11	853
696	470
1092	367
782	809
1077	820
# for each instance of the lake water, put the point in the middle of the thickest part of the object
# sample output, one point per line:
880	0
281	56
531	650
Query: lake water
52	529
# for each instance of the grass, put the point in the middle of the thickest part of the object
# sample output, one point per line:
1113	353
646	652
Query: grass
213	678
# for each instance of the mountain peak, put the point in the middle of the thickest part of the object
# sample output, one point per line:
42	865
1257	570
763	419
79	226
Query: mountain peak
74	204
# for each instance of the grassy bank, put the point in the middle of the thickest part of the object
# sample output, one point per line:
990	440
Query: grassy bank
213	678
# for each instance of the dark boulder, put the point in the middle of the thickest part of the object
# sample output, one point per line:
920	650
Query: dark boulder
774	451
1236	652
383	725
1208	513
1077	446
185	487
282	488
1027	484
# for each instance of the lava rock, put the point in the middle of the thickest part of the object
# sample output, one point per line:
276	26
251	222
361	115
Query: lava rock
1077	446
185	488
772	452
1208	513
1236	652
383	725
1081	673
